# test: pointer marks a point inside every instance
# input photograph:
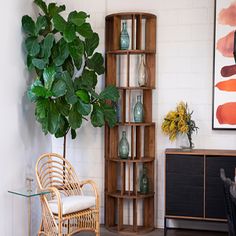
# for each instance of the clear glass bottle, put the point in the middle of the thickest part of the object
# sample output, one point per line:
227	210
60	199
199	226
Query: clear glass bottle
124	146
138	110
124	37
144	183
142	72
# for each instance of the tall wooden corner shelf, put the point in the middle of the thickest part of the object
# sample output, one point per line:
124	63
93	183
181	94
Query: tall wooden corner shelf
126	209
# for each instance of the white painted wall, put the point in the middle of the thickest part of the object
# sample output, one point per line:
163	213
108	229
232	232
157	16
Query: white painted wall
21	138
184	72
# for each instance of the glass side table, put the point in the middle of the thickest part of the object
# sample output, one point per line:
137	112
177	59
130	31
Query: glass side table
28	193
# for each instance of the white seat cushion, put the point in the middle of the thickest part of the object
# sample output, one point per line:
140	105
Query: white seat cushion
72	204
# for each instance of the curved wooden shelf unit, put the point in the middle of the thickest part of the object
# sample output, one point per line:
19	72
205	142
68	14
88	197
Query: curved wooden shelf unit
130	15
122	176
130	195
121	52
141	160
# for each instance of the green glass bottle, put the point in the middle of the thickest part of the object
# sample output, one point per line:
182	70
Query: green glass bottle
124	37
144	183
138	110
124	147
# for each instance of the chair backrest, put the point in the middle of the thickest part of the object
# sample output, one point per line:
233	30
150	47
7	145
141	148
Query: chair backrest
230	208
52	170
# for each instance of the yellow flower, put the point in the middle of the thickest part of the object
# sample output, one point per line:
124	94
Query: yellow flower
178	121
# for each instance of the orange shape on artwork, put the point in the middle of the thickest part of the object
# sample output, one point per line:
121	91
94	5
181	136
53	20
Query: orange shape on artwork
227	16
226	113
228	85
225	45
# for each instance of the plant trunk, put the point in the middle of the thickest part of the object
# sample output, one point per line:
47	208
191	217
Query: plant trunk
64	156
64	147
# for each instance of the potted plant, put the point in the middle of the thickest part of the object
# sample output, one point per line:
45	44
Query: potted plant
180	122
62	54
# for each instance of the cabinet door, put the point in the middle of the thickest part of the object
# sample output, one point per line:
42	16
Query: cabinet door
215	206
184	185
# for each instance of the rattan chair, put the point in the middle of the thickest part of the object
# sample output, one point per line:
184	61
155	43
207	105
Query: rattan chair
229	206
65	210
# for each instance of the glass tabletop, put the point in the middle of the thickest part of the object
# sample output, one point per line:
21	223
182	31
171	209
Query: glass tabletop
27	193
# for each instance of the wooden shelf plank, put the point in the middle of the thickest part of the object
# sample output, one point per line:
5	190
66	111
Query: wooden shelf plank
130	195
141	160
129	15
121	52
136	124
136	88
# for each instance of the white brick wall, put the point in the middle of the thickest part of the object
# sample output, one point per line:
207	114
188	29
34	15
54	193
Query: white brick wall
184	72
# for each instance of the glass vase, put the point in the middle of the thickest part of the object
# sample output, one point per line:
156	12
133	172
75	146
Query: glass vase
138	110
124	146
124	37
144	183
184	141
142	72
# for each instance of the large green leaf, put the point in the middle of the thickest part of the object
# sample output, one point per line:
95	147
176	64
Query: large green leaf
32	46
75	119
78	62
97	117
88	80
110	92
110	115
68	66
53	118
76	49
60	52
91	44
77	18
39	63
85	30
41	23
83	95
69	33
31	95
42	106
41	92
83	108
62	106
41	4
53	9
96	63
63	127
47	45
49	76
65	76
59	88
71	98
28	25
59	23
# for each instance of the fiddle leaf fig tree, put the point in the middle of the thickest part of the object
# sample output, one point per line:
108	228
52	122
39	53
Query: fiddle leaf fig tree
62	54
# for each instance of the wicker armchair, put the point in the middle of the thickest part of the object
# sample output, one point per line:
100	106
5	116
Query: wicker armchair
229	206
65	210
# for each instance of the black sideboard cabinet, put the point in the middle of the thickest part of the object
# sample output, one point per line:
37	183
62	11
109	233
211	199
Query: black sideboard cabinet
193	188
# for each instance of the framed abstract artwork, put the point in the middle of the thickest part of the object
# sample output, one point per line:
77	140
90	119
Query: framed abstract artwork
224	71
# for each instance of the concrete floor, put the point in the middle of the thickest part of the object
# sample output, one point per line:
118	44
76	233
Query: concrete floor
160	232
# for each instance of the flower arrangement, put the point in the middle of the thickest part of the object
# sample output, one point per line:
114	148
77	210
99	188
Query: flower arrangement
179	121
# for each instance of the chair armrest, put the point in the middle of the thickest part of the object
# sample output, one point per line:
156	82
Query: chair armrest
94	186
56	192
